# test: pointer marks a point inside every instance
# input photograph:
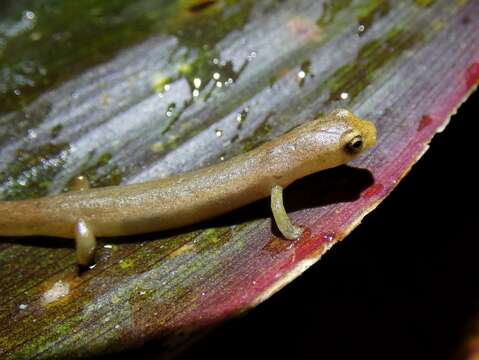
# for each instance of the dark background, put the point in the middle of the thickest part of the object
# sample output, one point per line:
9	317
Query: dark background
403	285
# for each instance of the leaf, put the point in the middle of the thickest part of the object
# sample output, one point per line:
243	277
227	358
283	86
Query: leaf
128	91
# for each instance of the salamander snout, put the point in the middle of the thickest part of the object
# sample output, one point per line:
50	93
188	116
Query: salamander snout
360	135
368	133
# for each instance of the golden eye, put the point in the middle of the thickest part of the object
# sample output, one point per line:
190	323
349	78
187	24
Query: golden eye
355	144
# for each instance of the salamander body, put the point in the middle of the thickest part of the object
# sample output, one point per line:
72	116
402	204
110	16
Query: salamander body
191	197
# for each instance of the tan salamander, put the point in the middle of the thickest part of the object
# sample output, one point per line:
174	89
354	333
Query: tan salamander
193	196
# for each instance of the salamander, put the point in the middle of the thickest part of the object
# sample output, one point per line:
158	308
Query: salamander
191	197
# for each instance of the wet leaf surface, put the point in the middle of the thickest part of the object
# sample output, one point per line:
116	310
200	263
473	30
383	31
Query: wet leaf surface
149	89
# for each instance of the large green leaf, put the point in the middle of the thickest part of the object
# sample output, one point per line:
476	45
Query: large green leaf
127	91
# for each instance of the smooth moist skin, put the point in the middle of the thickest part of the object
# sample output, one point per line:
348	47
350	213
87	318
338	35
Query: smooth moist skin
194	196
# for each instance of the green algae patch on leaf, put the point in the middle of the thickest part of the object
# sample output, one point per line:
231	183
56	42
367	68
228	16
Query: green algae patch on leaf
330	9
367	14
29	174
148	89
350	79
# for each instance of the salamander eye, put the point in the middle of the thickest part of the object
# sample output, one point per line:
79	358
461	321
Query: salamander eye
355	144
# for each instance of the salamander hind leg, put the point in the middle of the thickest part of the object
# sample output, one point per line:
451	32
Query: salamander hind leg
281	218
85	242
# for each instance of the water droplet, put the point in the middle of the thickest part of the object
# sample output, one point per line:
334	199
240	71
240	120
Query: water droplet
344	95
22	181
196	93
108	246
22	306
171	108
305	70
142	292
216	61
160	82
219	132
219	84
361	29
251	55
328	237
58	290
17	92
29	15
222	158
197	82
216	76
92	266
31	134
117	327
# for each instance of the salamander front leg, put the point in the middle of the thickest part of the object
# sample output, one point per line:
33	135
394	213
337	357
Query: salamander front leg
288	230
85	242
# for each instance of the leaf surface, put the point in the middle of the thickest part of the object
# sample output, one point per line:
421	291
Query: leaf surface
130	91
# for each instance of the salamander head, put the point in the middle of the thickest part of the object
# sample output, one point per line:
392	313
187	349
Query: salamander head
359	135
335	139
326	142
